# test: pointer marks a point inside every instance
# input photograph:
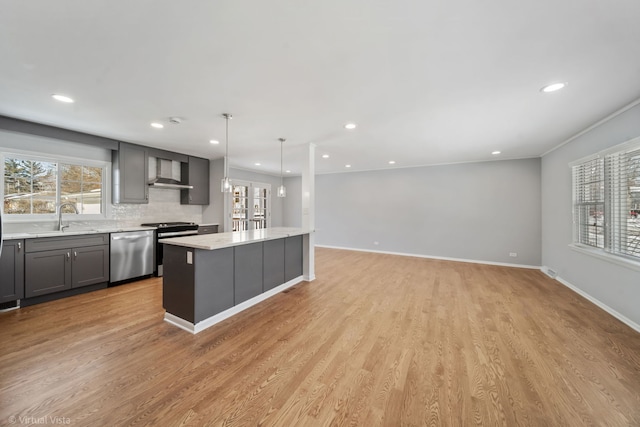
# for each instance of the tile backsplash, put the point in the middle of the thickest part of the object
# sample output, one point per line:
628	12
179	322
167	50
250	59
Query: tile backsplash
164	206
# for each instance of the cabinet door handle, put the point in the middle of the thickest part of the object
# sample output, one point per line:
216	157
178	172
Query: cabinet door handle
68	256
75	255
19	245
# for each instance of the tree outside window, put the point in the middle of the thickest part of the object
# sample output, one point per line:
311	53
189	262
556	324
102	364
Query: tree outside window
35	187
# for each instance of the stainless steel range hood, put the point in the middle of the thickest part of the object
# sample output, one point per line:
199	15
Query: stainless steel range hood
165	177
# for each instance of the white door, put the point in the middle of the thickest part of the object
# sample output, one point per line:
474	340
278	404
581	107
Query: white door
249	205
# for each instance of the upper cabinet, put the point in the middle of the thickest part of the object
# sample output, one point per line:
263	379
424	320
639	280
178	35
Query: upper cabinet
195	173
130	174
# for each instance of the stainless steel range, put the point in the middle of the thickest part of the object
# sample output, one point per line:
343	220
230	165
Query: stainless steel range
169	229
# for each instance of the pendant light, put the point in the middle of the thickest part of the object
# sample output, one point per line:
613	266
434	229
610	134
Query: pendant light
282	192
225	185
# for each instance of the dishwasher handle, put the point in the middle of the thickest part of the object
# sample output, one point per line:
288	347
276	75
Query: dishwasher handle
134	237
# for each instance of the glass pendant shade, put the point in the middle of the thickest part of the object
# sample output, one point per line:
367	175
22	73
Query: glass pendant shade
225	185
282	191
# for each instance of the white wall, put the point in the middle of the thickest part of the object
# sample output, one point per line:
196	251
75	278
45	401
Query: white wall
615	286
475	211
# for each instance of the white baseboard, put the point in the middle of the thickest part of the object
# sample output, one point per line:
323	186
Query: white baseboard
611	311
210	321
472	261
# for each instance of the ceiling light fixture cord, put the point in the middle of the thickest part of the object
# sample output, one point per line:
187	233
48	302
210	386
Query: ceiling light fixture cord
226	150
226	182
282	192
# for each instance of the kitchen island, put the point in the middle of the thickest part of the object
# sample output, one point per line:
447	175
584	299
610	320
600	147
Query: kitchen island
208	278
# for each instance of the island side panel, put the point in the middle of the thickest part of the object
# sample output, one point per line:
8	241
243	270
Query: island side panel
273	264
248	271
214	282
178	283
292	258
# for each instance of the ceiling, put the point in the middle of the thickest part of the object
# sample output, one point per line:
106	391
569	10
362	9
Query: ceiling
427	82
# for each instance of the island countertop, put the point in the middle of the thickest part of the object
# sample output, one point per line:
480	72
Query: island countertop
224	240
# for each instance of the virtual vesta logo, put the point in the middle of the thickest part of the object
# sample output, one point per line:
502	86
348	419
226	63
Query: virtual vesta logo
48	419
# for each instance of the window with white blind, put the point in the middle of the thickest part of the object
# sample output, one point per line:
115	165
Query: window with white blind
606	201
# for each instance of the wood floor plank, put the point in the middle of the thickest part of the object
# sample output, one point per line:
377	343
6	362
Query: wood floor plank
376	340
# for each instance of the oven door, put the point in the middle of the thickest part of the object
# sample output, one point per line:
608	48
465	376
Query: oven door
159	246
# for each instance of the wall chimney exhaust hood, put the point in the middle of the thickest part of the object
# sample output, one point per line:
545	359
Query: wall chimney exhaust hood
165	177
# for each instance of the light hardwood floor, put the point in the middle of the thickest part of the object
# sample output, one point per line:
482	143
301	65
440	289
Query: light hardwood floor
375	340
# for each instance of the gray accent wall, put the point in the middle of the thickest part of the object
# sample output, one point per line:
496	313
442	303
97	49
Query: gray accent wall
616	286
214	212
473	211
292	204
18	142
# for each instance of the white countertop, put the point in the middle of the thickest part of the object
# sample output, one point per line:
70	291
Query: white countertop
70	232
224	240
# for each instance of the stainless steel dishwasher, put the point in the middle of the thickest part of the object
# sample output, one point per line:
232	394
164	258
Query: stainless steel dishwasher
131	255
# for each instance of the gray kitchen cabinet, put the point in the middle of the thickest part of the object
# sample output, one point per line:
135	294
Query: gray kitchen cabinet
200	286
273	265
196	173
47	272
130	174
12	271
292	257
248	271
210	275
56	264
89	266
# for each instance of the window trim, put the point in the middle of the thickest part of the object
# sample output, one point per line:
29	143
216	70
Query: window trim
606	256
607	253
29	155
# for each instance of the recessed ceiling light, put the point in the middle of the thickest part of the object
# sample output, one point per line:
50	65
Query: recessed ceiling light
392	162
157	125
287	171
214	141
350	126
325	156
495	152
62	98
553	87
347	166
257	163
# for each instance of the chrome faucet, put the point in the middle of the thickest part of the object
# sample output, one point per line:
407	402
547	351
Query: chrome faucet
62	205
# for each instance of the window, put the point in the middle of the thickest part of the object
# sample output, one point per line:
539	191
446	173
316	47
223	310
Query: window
37	186
606	201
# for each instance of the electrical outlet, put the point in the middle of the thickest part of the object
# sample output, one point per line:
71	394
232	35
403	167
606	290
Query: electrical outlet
513	254
189	257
